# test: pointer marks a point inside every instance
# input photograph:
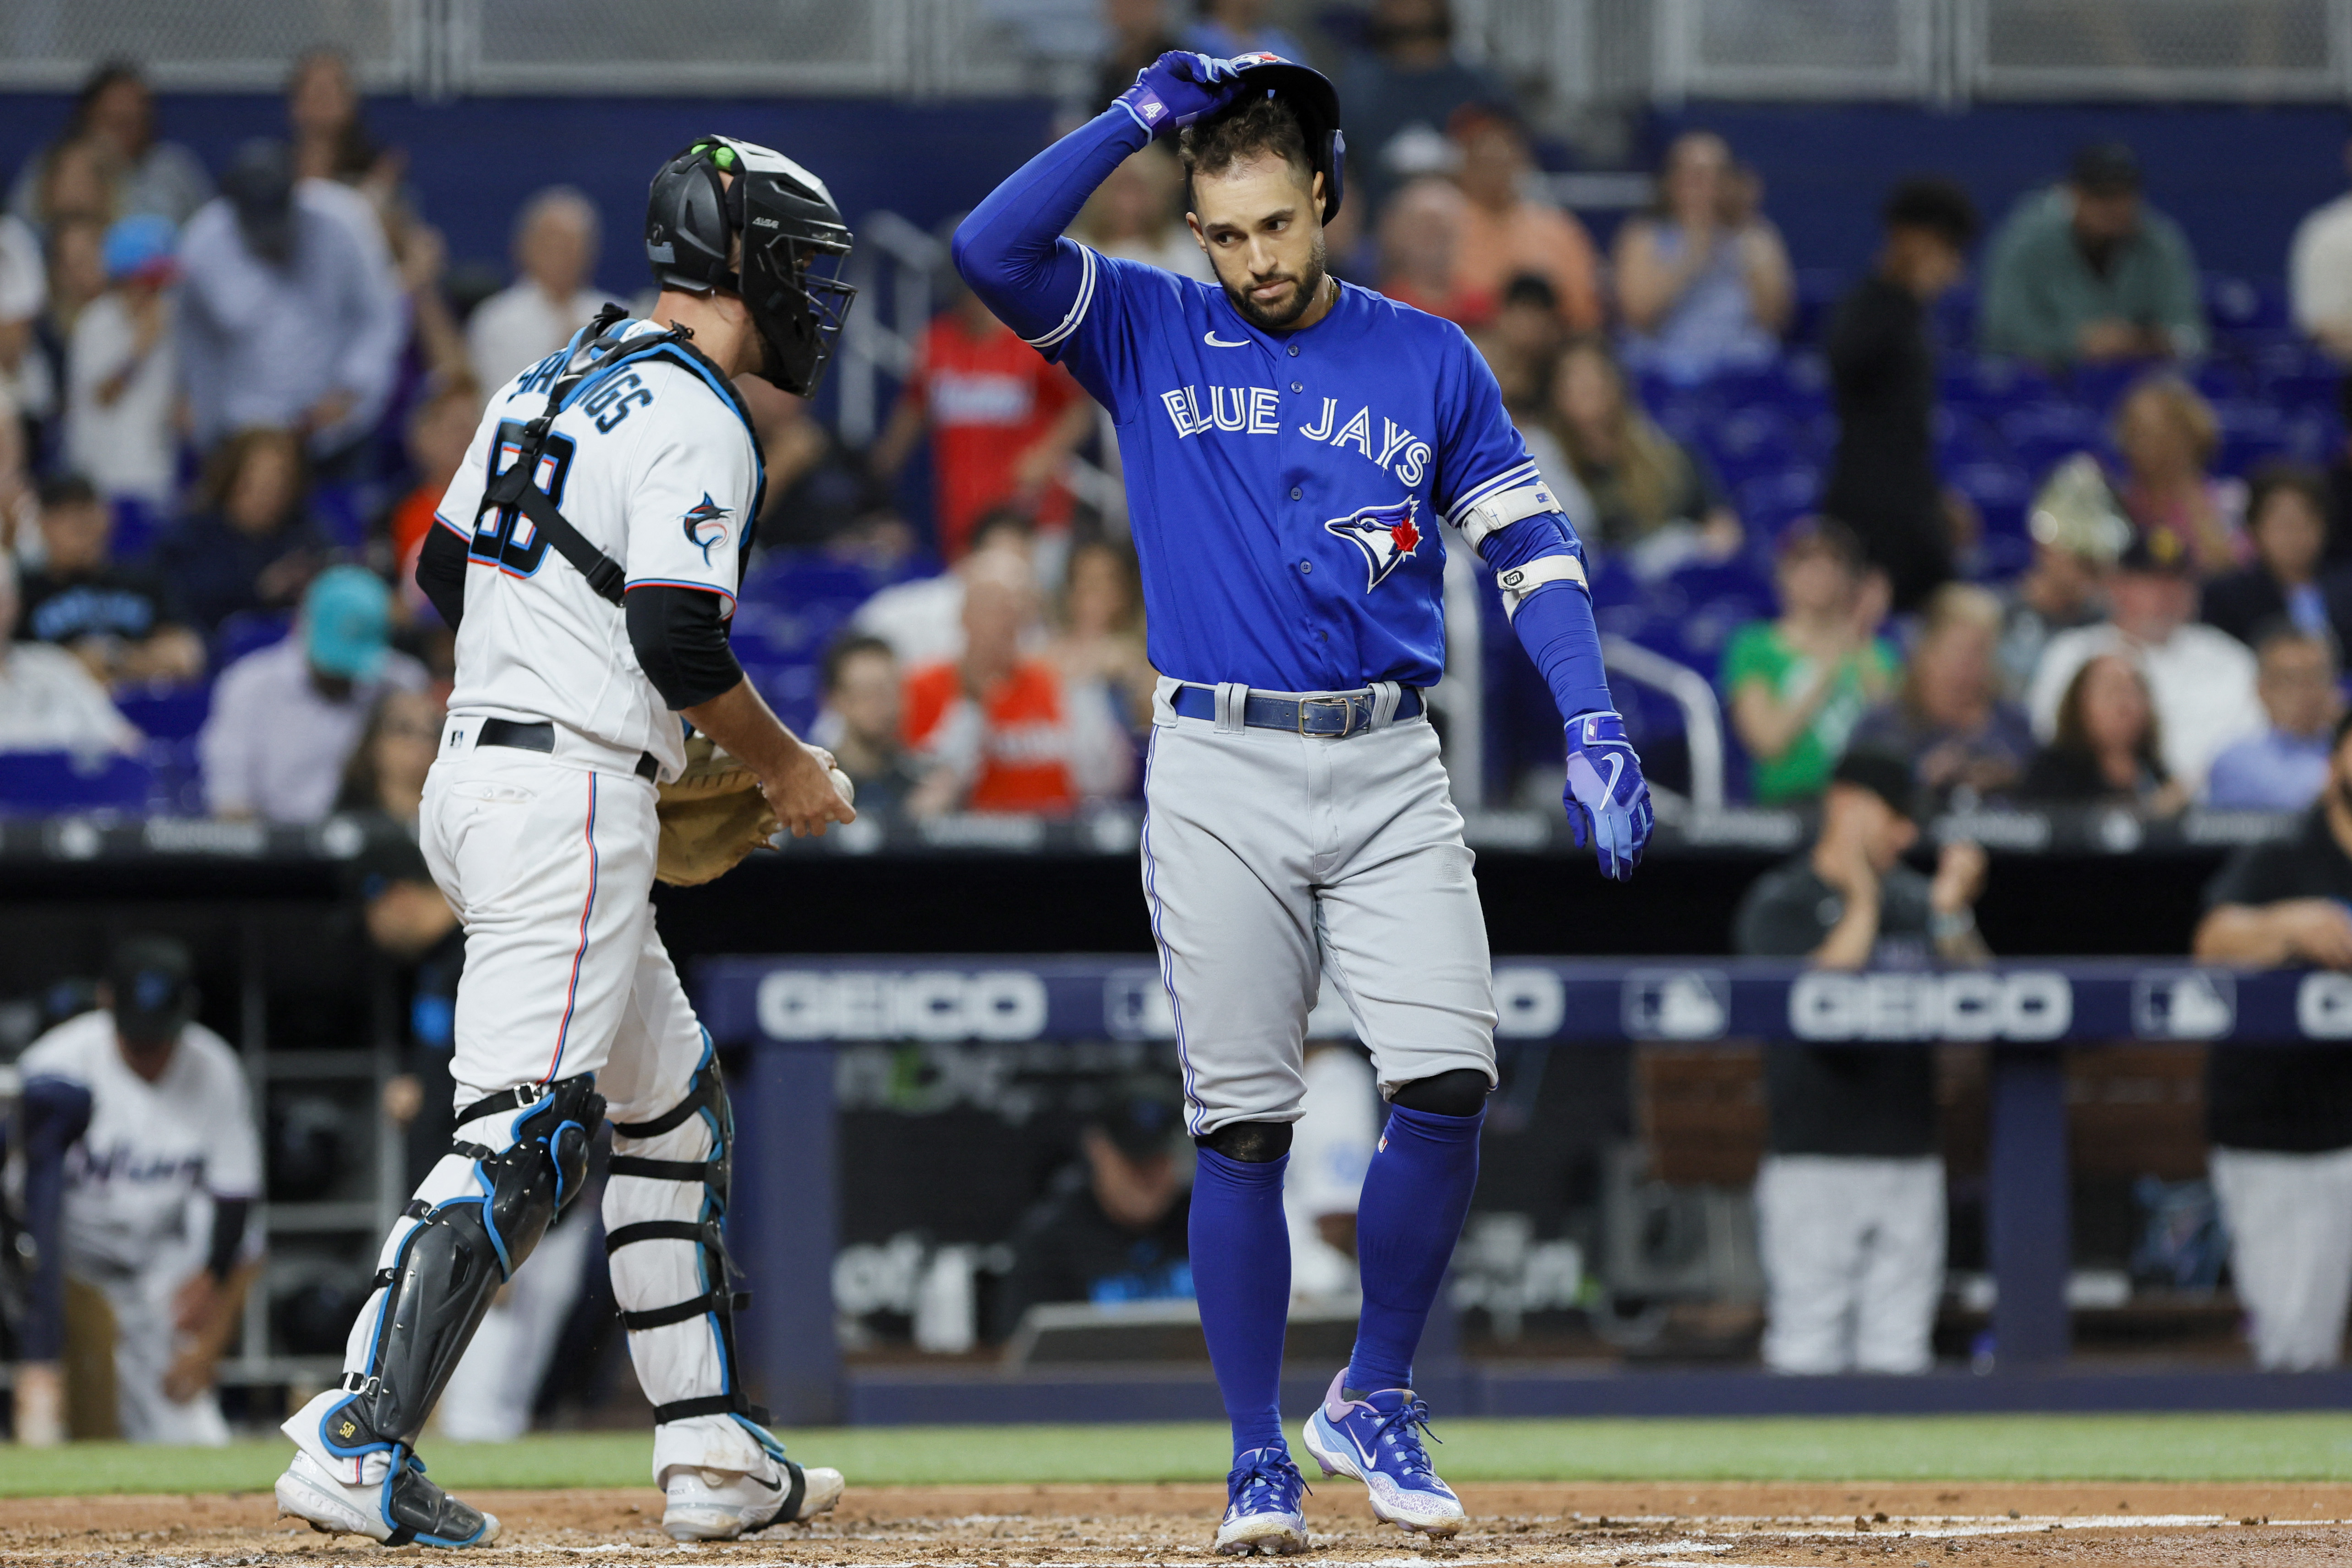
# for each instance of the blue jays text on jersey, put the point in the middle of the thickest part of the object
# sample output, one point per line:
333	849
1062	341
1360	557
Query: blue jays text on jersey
1284	489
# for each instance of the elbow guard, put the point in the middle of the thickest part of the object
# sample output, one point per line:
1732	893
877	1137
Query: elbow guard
1490	516
681	643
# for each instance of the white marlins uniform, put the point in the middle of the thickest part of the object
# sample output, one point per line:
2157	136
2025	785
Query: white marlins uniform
139	1186
548	857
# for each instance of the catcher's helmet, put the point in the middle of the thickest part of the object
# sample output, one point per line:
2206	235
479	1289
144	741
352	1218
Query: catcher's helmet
1315	102
790	229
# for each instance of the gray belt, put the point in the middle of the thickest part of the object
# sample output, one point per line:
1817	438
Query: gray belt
1332	718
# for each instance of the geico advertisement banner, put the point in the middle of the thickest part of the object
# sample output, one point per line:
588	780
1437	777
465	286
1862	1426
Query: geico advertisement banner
814	1000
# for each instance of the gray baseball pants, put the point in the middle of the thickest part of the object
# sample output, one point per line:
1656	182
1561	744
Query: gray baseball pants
1270	857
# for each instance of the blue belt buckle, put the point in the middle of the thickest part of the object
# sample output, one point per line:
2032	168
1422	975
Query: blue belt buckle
1347	706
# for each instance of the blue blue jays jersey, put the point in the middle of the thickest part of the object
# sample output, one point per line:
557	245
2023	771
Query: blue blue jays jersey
1285	489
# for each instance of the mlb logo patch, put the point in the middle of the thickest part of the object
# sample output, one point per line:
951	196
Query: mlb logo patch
1387	535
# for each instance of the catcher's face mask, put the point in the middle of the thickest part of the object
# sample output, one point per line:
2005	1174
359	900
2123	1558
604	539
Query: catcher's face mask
794	245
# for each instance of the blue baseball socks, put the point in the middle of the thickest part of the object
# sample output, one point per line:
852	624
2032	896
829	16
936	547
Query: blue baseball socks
1415	1196
1241	1275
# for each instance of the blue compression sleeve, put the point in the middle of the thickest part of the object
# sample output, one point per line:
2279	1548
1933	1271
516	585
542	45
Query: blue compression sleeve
1011	249
1555	622
1240	1247
57	1113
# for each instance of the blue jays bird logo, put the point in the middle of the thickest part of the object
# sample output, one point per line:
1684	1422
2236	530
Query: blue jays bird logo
1386	535
707	514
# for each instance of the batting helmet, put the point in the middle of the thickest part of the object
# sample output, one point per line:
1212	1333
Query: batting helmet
790	228
1315	102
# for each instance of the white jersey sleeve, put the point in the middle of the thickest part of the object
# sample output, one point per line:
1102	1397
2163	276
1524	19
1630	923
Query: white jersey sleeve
696	487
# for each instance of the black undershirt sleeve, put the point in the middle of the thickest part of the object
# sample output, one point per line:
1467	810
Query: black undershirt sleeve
681	642
441	573
229	1215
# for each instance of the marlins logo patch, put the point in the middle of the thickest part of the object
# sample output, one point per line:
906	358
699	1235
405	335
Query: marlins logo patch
706	526
1386	535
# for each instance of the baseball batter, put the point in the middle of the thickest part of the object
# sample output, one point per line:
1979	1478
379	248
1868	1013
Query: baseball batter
588	554
1291	445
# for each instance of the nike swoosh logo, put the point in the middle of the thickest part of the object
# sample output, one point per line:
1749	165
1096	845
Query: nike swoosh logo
1616	770
1211	338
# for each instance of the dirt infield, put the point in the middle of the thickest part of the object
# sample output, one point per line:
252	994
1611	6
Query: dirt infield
1623	1525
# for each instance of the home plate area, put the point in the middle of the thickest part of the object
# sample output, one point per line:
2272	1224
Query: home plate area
1617	1524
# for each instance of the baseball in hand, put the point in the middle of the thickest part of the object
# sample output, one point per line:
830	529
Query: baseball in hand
841	784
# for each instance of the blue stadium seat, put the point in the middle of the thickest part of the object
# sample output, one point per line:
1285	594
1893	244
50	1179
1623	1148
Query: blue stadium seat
247	631
2235	305
53	783
167	713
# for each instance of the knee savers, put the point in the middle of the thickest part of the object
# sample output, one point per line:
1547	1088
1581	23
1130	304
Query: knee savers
706	1097
1459	1093
460	1251
1250	1143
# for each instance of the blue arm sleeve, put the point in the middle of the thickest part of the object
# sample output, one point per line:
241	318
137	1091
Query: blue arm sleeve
57	1113
1555	622
1011	249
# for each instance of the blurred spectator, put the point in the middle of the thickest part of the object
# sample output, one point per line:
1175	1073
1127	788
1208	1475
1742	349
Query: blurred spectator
2168	436
1700	293
998	730
143	1168
1410	81
2319	273
2077	532
556	239
1883	481
1112	1224
2281	1118
2286	519
1521	346
1420	236
818	489
1098	644
2201	679
122	372
26	378
2086	271
1506	231
287	718
48	702
2108	744
1004	423
865	699
440	429
1137	214
1332	1143
1653	499
1849	1197
288	316
923	619
1800	684
114	119
253	546
2283	768
2340	482
330	138
70	180
1228	27
1138	34
122	621
1967	744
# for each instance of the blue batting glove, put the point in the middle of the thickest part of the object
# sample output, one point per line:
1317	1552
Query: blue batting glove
1177	88
1608	801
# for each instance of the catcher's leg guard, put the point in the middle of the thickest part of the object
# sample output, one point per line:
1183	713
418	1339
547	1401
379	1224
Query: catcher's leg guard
665	1206
474	1221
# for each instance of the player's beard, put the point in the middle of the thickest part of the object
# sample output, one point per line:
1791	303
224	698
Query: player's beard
1309	287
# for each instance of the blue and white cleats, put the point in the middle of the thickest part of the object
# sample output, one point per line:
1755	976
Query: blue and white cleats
1261	1507
1377	1439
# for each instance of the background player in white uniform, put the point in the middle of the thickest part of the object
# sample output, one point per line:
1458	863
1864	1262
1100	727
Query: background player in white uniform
142	1161
588	554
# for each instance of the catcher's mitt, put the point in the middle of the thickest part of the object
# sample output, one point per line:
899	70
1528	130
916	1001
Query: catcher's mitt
711	817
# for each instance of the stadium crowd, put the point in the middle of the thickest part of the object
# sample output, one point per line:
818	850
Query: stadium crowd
2054	535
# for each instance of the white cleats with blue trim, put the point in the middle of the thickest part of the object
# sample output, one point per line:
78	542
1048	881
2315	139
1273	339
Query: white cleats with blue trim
401	1509
720	1505
1377	1439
